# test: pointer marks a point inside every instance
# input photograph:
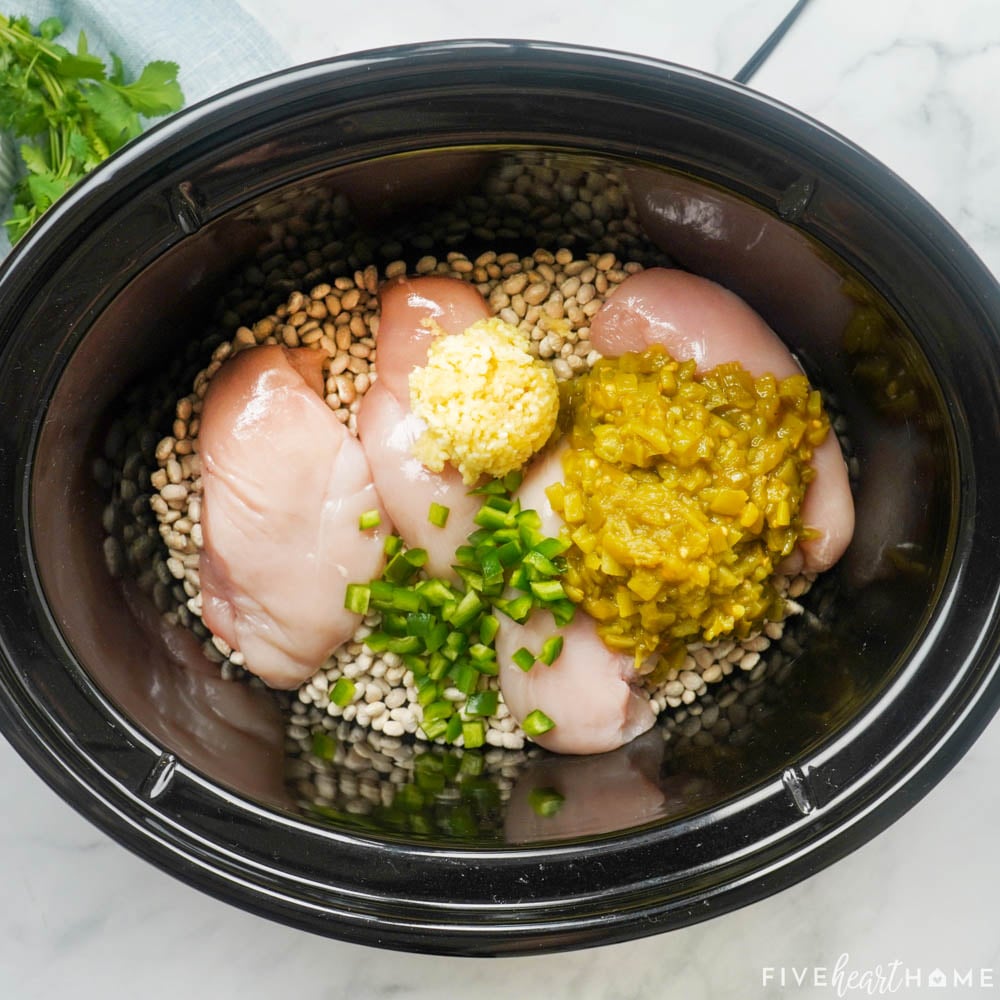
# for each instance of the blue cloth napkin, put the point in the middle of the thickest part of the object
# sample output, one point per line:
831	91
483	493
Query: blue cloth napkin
217	45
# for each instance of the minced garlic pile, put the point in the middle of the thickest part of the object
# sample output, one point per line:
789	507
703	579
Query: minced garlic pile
487	403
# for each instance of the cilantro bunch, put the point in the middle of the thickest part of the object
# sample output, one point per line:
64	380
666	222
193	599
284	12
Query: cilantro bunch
68	110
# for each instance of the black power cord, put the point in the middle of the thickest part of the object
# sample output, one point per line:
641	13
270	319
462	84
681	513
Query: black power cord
759	57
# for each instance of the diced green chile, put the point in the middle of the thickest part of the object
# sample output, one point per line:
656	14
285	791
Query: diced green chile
445	633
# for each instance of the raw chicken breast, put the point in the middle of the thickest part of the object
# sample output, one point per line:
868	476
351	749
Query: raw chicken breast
284	484
590	692
827	506
750	251
587	692
388	428
694	318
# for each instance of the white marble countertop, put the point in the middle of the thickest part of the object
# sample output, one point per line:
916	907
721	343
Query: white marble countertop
916	83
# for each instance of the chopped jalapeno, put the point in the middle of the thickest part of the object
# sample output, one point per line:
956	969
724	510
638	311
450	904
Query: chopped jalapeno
524	658
445	632
357	597
551	649
369	519
438	515
342	693
536	723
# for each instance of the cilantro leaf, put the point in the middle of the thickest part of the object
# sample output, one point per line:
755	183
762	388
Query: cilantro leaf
20	221
45	188
34	159
117	70
77	146
115	121
156	92
85	67
22	112
50	28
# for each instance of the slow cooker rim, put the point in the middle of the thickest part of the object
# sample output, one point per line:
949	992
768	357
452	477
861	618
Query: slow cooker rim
20	727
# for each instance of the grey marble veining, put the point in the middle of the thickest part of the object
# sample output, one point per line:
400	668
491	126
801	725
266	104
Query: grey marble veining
915	82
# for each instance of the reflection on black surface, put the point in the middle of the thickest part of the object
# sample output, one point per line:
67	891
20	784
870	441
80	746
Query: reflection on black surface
556	798
232	731
736	735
